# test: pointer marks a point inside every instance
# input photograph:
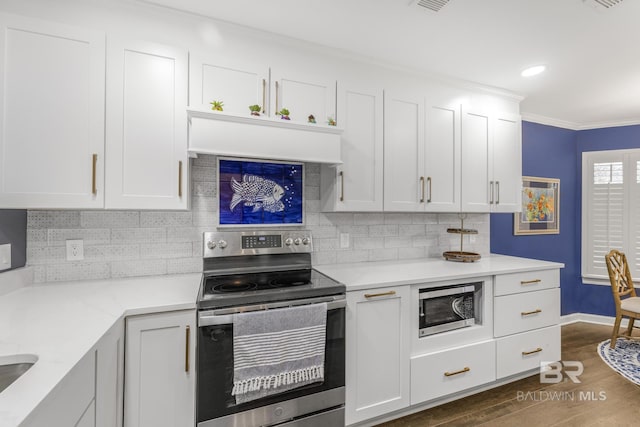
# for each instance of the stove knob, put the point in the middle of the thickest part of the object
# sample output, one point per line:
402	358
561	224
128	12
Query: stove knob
288	241
306	241
211	244
222	244
297	241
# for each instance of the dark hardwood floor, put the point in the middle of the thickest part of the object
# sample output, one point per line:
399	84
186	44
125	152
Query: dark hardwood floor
529	403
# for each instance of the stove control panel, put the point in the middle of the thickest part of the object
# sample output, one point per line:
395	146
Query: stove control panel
231	243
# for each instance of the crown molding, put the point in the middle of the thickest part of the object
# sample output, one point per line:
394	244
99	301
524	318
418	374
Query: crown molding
544	120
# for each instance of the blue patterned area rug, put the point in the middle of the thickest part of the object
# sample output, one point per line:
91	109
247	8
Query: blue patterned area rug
624	359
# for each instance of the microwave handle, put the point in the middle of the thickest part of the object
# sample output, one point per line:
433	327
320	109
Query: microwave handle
225	316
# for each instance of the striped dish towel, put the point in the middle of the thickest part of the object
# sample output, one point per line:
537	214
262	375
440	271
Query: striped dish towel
278	350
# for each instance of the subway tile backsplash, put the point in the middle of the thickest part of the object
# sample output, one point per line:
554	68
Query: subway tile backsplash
121	244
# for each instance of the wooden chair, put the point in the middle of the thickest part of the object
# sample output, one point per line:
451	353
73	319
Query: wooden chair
624	295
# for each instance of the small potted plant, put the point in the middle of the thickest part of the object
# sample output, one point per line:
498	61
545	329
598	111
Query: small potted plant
284	114
216	105
255	110
331	121
311	119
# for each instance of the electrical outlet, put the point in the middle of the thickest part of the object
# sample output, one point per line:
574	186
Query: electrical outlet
344	240
75	250
5	256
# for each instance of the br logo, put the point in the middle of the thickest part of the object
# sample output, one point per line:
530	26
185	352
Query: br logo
556	372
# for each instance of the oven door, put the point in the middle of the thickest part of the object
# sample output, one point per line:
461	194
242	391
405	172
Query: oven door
217	407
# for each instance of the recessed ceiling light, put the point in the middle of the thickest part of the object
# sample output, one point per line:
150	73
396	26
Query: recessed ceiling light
532	71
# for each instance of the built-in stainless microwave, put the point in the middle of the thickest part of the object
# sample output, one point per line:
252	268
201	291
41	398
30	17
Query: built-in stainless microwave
449	307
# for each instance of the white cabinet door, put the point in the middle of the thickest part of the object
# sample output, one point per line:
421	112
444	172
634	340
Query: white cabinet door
404	182
146	126
476	144
109	377
356	184
302	95
377	352
507	163
237	85
442	156
52	115
159	370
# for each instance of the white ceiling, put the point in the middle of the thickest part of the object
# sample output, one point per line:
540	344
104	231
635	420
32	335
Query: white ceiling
592	59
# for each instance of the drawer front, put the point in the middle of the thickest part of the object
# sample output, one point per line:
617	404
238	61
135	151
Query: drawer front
525	312
439	374
522	352
507	284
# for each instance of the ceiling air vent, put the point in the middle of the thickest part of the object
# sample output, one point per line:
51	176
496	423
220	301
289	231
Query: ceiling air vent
602	4
436	5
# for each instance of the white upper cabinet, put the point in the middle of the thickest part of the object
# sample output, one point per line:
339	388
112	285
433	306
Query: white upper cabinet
404	181
491	162
507	163
356	184
52	129
303	95
238	85
442	156
476	141
146	126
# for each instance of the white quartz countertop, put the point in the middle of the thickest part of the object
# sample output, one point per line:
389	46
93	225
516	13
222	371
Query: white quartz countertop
368	275
61	322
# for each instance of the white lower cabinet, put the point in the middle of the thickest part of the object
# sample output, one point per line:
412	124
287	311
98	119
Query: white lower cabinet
526	311
91	393
159	387
439	374
522	352
377	352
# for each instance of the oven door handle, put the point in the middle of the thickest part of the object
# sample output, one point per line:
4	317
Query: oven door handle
224	316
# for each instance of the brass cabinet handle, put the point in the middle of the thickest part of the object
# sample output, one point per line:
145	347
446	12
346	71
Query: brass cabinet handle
422	191
461	371
180	178
528	313
497	192
429	188
264	95
491	192
94	165
383	294
186	350
277	90
341	186
537	350
530	282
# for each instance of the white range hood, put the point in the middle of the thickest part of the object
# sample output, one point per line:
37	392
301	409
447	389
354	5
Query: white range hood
226	134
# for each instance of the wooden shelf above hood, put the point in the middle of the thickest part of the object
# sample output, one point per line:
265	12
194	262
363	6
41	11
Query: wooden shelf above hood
227	134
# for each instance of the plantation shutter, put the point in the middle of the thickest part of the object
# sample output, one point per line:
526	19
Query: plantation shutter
610	211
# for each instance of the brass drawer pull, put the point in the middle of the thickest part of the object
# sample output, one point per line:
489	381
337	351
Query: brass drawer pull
422	189
526	353
383	294
186	350
341	186
277	90
530	282
180	178
264	95
429	188
461	371
94	164
528	313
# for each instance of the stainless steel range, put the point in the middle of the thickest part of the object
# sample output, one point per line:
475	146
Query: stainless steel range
259	272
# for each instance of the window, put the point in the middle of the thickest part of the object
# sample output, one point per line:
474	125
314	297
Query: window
610	211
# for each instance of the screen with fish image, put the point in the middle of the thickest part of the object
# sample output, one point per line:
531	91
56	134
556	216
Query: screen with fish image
252	192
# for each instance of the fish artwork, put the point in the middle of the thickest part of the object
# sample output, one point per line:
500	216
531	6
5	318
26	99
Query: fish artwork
258	192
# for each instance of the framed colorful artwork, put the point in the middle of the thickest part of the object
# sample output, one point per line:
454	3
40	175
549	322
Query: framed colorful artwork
260	193
540	207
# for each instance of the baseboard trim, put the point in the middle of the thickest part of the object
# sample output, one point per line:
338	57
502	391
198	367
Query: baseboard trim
590	318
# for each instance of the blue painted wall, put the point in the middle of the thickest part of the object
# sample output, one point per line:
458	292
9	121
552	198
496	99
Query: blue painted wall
553	152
